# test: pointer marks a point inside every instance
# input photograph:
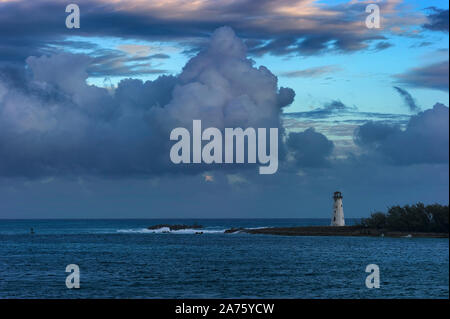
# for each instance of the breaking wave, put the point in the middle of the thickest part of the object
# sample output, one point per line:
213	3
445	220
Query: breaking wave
166	230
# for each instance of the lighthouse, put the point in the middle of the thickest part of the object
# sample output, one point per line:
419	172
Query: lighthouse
338	210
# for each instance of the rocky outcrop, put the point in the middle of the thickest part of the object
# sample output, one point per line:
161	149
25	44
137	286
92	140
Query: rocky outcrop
175	227
334	231
234	230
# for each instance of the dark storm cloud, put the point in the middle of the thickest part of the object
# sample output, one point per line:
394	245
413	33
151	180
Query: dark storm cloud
309	148
371	134
136	94
437	20
433	76
356	117
38	28
336	105
285	96
313	44
279	46
332	108
159	56
280	28
383	45
424	141
52	123
409	100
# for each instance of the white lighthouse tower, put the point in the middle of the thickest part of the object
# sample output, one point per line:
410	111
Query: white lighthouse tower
338	210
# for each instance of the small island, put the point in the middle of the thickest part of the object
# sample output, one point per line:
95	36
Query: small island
408	221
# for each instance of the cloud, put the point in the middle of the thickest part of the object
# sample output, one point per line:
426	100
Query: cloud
312	72
116	63
336	105
52	123
125	60
286	27
437	20
136	49
409	100
421	44
424	141
285	96
236	179
309	148
432	76
159	56
330	109
383	45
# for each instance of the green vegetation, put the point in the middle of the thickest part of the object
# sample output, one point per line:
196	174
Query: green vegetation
415	218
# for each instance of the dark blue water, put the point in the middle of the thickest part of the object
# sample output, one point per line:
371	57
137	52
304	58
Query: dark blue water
121	259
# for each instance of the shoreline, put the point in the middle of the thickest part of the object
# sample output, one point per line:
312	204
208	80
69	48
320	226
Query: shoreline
352	231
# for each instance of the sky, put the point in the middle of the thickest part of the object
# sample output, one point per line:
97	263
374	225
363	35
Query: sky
86	113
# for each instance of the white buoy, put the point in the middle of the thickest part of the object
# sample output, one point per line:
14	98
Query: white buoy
338	211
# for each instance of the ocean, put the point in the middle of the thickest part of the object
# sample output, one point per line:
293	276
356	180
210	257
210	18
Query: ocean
122	259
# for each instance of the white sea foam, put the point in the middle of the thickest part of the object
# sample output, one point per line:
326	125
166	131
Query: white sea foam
163	230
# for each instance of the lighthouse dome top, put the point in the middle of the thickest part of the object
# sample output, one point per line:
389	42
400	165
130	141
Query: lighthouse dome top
337	194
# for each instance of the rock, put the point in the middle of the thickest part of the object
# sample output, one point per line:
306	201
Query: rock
233	230
175	227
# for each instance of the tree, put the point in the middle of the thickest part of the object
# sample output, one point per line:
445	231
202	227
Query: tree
376	220
418	217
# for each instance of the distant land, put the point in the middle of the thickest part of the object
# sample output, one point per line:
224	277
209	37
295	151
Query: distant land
335	231
408	221
417	220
